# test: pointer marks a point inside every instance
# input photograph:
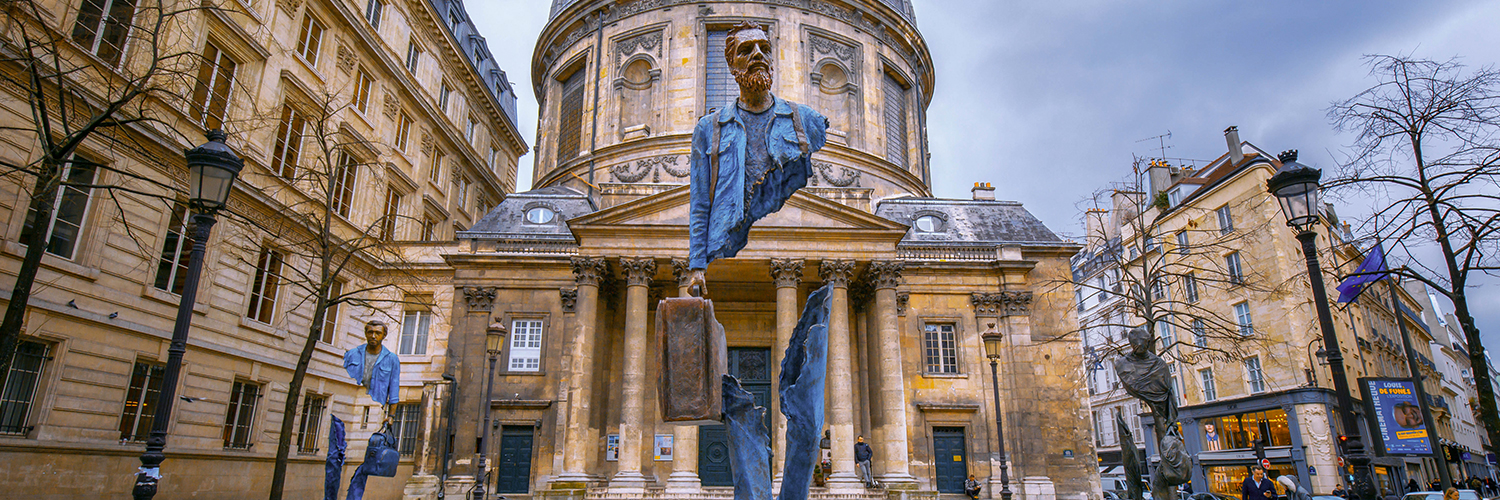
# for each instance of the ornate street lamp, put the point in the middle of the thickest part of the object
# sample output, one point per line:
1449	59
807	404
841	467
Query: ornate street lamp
994	343
212	169
494	340
1296	187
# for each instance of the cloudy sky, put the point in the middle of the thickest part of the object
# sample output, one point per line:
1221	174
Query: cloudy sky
1049	100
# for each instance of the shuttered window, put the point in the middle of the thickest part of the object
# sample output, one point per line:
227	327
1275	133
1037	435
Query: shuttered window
721	90
570	118
895	121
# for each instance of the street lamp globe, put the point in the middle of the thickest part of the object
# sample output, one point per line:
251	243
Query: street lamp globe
212	168
494	339
994	342
1296	188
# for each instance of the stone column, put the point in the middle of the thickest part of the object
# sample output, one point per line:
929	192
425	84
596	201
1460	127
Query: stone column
638	274
787	274
684	477
891	445
839	383
581	438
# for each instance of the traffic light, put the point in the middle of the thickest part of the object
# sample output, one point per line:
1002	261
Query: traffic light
1343	441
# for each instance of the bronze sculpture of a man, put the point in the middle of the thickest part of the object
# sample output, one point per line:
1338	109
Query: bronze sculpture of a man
748	157
1148	378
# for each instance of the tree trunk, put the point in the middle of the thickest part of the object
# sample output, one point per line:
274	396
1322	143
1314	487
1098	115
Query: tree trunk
1479	365
293	393
45	193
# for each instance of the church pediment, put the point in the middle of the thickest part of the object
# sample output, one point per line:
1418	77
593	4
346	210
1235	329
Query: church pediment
669	209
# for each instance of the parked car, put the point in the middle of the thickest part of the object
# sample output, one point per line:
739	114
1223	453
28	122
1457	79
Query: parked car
1211	496
1438	495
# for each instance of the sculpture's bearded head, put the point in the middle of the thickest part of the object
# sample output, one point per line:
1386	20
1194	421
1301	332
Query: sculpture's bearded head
748	51
1140	341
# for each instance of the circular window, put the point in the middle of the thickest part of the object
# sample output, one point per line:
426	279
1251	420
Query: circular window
929	224
540	215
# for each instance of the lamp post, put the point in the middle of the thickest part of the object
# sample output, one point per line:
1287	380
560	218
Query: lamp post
994	341
212	168
1296	188
494	339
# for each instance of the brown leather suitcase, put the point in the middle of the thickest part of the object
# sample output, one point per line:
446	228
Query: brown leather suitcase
693	359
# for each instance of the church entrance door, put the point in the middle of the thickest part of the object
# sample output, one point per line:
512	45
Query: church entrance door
948	455
752	365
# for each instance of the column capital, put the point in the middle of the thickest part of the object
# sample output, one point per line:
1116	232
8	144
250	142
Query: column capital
836	272
638	271
680	271
787	272
480	298
1004	303
590	270
885	273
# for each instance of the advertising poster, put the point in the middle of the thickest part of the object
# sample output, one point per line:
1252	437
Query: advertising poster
1397	418
612	448
663	447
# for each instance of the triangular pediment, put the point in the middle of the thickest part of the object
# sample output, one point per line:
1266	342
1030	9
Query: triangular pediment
801	211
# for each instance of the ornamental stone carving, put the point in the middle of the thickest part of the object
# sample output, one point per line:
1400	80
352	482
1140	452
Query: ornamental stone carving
638	272
847	177
680	272
480	298
649	43
589	270
787	272
345	57
632	172
392	105
428	143
1007	303
836	272
860	295
885	274
569	298
902	299
290	6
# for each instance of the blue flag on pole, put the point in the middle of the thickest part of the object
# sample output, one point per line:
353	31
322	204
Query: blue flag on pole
1374	263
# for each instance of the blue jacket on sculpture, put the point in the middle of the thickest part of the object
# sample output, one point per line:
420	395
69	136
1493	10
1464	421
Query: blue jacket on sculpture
721	230
385	380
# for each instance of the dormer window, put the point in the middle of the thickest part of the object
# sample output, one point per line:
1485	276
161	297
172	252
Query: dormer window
928	224
540	215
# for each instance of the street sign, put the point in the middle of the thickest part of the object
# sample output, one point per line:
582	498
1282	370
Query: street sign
1341	462
1265	463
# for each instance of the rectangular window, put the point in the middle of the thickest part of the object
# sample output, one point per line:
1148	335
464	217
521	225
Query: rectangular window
69	210
1164	330
941	348
403	130
140	400
172	266
895	121
1242	317
241	414
341	186
1190	287
1210	393
215	80
414	327
435	171
102	27
1151	244
1159	291
526	345
720	91
1226	221
362	83
460	192
1078	296
331	316
404	420
312	418
391	215
413	56
310	40
1254	375
1182	243
288	146
1200	333
1174	197
472	131
372	12
443	97
494	159
570	117
1235	268
18	391
267	283
429	228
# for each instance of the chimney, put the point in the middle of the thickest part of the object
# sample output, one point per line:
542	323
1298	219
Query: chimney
1158	178
1232	139
984	191
1096	227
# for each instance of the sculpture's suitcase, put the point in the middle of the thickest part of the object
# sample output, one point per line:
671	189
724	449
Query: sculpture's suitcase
693	359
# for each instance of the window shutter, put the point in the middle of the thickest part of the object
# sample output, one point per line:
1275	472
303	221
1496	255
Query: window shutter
570	120
895	121
721	90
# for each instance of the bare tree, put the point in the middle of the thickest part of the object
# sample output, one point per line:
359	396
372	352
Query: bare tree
1428	148
124	79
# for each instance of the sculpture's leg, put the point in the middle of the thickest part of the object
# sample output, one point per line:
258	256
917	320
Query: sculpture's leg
803	372
749	442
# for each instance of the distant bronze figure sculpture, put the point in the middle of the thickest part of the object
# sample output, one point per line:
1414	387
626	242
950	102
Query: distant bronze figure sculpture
747	157
1147	377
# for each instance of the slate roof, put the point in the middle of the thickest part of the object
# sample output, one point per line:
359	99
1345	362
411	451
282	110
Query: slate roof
507	221
968	222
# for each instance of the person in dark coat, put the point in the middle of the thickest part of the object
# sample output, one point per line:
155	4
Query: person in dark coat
862	456
1411	485
1257	487
971	487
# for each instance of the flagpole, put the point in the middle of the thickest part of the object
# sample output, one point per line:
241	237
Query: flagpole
1416	378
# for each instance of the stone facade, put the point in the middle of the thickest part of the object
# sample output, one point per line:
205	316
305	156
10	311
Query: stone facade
578	264
101	313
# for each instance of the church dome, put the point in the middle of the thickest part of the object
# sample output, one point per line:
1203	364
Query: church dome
902	7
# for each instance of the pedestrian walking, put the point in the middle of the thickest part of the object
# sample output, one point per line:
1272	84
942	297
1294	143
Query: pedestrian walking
1257	487
971	487
862	456
1411	485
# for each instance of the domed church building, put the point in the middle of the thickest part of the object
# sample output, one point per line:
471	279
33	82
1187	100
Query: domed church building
569	275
